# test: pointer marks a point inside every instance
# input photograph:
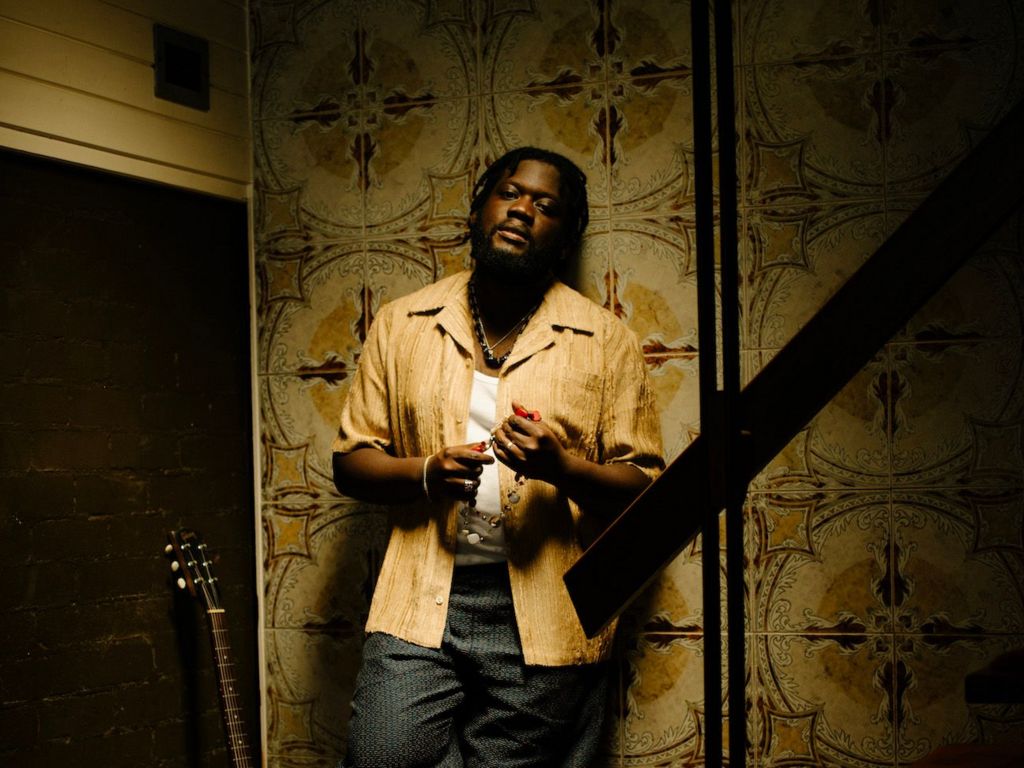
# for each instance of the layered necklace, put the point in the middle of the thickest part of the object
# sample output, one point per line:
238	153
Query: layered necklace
492	360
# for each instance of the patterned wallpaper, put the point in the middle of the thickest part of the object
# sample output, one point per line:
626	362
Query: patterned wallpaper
885	551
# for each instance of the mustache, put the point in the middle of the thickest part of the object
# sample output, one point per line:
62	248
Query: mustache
510	225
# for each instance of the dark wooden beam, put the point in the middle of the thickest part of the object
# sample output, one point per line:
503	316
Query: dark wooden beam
898	279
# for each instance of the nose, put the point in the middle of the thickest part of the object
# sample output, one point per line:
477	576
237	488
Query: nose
522	209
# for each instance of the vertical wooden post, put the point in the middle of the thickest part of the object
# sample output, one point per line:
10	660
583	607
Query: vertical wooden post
719	407
710	405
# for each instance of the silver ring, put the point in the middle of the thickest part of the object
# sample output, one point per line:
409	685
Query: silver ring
508	445
468	484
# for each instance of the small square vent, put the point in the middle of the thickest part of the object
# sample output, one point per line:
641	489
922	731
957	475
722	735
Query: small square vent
181	67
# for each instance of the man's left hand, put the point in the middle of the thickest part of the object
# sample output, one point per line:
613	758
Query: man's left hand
528	445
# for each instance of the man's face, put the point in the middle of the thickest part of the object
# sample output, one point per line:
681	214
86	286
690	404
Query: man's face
518	233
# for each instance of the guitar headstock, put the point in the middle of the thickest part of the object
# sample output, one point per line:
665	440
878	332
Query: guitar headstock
192	565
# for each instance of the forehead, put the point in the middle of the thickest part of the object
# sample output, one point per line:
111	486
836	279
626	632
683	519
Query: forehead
535	176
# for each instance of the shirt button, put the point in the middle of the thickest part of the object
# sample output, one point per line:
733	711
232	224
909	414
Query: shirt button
439	600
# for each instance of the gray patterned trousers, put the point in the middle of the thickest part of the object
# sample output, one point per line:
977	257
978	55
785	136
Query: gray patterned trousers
473	703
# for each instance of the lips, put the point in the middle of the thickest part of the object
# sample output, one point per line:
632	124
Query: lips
514	234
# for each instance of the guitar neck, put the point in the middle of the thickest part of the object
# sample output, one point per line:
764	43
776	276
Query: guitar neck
238	742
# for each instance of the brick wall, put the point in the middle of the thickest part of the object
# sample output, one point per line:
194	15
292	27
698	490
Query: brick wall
124	412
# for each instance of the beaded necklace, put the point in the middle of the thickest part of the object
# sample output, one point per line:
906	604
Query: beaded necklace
488	349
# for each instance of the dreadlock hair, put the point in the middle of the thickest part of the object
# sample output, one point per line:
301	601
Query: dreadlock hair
571	181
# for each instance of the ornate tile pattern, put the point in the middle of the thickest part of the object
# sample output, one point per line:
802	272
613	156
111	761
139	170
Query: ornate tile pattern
320	567
884	544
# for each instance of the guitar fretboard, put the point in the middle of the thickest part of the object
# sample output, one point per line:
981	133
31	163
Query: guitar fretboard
238	742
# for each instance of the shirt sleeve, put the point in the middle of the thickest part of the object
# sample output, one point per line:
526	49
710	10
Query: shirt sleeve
365	417
630	426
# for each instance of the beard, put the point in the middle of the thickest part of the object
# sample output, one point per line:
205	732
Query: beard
516	267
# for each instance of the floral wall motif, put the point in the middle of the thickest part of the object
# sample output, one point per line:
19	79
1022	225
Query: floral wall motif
885	552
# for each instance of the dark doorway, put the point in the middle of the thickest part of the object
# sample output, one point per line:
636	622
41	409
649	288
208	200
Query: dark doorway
125	411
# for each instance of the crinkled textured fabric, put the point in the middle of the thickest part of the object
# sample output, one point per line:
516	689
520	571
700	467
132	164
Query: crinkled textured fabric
577	364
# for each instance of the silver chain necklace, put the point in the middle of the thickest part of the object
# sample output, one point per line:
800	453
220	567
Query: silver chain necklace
488	349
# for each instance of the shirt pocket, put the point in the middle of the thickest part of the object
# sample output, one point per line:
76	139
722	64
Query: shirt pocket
575	409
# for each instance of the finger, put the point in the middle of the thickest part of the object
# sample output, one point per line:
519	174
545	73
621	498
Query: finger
506	457
474	464
507	451
517	425
500	443
523	412
463	488
469	456
466	449
463	474
505	436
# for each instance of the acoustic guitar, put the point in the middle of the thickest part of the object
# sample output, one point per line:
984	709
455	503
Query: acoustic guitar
194	571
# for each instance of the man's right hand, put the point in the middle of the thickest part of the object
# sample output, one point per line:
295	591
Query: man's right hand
454	471
369	474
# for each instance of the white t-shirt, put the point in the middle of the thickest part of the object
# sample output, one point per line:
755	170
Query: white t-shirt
481	536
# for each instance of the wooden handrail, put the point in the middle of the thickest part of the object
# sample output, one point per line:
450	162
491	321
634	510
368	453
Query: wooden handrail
895	282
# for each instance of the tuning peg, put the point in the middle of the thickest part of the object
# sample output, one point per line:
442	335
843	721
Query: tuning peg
181	583
175	565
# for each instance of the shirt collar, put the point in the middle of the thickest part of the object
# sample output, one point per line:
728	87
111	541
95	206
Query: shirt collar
559	310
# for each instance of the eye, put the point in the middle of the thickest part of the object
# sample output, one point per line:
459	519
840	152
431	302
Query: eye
508	193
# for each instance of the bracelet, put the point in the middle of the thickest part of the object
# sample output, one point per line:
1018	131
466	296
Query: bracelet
426	490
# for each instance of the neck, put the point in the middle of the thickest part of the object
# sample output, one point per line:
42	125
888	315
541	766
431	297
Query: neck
502	304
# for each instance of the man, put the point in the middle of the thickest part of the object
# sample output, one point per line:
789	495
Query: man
510	418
